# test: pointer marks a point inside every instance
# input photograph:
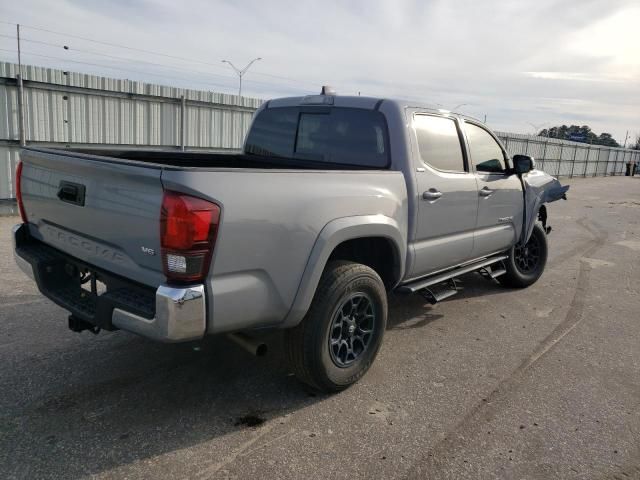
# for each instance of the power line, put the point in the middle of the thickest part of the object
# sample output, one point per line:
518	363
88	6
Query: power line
171	67
116	45
70	35
90	52
114	68
128	59
184	79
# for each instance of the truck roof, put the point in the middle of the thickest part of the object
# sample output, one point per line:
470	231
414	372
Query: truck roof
354	101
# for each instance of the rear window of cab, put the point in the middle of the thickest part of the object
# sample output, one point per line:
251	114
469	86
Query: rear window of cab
333	135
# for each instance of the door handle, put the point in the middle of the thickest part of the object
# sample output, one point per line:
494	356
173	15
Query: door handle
432	194
485	192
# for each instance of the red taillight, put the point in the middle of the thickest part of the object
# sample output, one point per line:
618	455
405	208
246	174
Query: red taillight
188	229
23	213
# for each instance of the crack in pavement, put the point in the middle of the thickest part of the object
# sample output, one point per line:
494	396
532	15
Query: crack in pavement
435	459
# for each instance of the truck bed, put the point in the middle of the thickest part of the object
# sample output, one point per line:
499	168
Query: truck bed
271	218
172	158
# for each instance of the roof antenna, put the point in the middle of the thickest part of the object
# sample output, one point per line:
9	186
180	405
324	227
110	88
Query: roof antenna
327	90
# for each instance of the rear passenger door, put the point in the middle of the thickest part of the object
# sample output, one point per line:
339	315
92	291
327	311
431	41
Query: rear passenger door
447	195
499	192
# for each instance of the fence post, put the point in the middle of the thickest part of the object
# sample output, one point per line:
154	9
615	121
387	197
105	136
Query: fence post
586	162
183	122
21	115
573	161
560	159
624	162
544	153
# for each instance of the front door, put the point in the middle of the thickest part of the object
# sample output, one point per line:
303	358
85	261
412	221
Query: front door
447	195
500	193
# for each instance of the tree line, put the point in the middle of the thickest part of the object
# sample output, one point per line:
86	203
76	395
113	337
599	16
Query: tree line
579	133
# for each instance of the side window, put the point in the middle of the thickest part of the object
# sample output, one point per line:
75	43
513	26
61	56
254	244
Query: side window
486	154
439	143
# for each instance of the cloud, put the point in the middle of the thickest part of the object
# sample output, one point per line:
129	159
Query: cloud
516	62
581	77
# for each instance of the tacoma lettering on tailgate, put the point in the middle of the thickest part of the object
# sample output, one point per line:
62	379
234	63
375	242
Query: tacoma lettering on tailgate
60	237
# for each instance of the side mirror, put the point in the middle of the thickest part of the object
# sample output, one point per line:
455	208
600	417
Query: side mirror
523	164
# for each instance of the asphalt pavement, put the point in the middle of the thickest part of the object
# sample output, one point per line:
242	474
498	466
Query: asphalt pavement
494	383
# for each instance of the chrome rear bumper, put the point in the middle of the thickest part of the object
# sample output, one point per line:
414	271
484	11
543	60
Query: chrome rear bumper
179	315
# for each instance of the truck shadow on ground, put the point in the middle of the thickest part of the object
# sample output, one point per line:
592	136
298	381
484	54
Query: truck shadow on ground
414	311
119	399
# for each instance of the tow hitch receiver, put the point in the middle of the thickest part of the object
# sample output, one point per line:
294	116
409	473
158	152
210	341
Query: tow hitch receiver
78	325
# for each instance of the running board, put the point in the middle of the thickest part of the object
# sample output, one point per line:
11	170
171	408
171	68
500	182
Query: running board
417	285
435	295
496	273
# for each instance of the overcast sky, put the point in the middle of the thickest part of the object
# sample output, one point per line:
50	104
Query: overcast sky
544	63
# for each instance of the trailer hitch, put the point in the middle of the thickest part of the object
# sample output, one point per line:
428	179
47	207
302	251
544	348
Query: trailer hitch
78	325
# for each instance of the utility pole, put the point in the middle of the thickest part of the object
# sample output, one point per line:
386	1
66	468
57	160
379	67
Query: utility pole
625	139
21	120
241	72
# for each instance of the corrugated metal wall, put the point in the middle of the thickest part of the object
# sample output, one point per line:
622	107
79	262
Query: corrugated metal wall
8	162
75	109
572	159
78	109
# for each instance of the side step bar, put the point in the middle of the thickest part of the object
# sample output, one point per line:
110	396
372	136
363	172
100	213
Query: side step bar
496	273
422	283
438	293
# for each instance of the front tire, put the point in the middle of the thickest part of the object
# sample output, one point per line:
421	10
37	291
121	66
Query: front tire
339	338
526	263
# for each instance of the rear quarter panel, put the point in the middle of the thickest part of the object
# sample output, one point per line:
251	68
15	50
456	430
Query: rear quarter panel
270	222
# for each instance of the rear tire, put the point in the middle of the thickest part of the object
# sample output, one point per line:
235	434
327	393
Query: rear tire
526	264
339	338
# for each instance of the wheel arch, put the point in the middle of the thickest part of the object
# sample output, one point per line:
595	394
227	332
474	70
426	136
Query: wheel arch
340	239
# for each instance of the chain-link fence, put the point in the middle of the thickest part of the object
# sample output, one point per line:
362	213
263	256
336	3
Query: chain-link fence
563	158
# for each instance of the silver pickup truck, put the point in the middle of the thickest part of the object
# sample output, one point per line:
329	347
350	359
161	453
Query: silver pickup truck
334	202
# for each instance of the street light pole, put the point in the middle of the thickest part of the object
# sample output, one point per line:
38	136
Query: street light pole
241	72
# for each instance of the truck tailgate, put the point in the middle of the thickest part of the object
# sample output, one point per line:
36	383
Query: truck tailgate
105	212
